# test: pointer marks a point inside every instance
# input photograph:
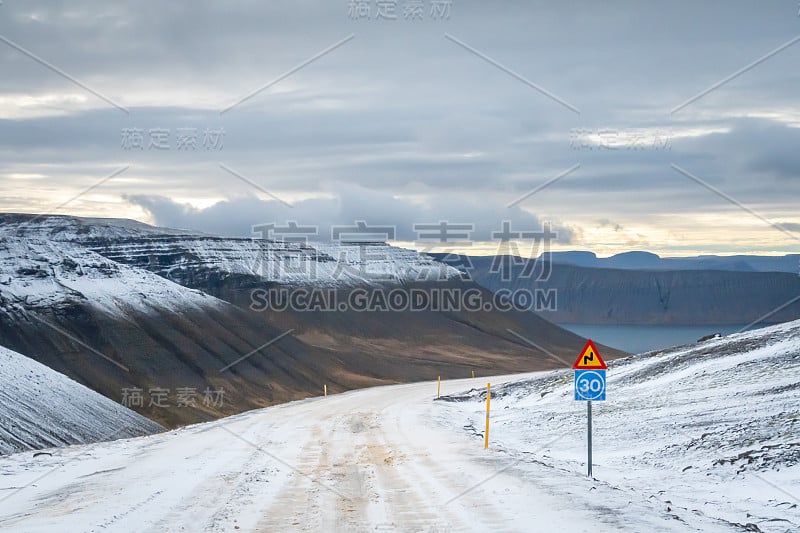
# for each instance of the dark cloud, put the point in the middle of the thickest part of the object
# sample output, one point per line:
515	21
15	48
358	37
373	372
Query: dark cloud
238	216
402	112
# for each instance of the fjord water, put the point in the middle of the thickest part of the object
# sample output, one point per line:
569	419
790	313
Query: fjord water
644	338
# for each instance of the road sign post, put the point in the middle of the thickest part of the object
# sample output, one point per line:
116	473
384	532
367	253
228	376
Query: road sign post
589	437
590	385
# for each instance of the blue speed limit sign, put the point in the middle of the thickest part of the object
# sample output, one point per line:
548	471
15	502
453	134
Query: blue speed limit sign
590	385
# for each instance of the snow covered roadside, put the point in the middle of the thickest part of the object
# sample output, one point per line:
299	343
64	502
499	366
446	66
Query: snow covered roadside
709	435
380	459
395	459
40	408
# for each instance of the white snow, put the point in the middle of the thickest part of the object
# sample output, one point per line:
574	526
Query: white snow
393	459
708	435
365	461
46	274
69	228
287	263
292	263
42	408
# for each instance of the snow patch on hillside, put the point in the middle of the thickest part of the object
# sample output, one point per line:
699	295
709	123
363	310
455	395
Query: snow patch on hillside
45	274
69	228
179	254
179	258
42	408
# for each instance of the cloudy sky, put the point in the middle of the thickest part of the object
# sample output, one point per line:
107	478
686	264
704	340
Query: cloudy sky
672	127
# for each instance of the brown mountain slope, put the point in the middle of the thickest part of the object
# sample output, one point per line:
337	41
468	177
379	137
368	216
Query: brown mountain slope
118	327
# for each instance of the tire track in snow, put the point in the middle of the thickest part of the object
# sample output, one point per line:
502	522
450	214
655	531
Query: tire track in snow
297	506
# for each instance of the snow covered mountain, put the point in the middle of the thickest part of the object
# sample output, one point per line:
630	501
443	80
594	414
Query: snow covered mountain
184	257
707	434
69	228
42	409
117	328
119	305
44	274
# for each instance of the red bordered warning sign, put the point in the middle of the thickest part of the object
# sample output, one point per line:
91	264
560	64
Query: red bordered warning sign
589	359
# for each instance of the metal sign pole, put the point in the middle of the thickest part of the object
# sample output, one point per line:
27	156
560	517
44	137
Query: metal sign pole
589	434
590	384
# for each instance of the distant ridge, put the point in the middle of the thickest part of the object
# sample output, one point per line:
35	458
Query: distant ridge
639	260
688	296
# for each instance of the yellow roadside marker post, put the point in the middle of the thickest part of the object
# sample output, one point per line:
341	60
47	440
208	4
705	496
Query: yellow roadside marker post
326	389
438	387
473	374
488	401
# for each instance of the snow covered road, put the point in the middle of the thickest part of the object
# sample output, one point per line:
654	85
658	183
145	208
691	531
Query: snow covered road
717	453
381	459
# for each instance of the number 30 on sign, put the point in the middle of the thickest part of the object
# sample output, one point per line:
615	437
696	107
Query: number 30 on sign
590	374
590	385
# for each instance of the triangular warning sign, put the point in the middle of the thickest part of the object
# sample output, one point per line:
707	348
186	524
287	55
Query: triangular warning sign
589	359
